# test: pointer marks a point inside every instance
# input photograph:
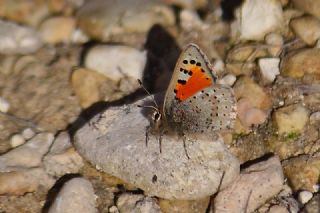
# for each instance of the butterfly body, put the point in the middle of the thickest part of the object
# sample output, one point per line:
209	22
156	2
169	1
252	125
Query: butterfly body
194	102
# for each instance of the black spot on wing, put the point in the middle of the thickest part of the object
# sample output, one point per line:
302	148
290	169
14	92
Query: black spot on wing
183	82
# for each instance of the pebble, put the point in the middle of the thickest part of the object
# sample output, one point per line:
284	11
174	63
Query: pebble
313	205
30	12
24	181
28	133
27	155
190	4
189	19
57	29
68	162
278	209
302	172
91	86
314	117
127	203
275	40
248	114
113	209
269	68
116	61
76	195
105	20
15	39
185	206
115	142
259	18
4	105
62	158
300	63
309	6
290	119
304	196
17	140
257	95
61	143
228	79
307	28
256	184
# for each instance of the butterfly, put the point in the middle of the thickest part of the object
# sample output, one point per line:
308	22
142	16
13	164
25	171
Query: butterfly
194	102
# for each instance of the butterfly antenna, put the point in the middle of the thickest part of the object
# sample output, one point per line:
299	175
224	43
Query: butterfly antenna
154	101
152	107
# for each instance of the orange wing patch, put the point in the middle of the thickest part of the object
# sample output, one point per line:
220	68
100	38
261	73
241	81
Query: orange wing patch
197	81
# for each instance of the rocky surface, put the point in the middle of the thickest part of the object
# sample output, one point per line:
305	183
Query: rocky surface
169	174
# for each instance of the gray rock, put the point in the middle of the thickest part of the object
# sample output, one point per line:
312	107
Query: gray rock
76	195
18	39
115	142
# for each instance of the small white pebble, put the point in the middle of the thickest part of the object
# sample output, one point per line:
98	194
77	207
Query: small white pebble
4	105
281	103
218	66
269	68
17	140
318	44
28	133
228	79
314	117
113	209
316	187
305	196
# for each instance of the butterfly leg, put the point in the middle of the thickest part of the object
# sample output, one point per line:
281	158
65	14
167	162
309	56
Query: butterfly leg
184	138
147	134
160	141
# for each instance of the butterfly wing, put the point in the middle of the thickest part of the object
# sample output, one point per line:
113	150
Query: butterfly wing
192	73
210	110
194	102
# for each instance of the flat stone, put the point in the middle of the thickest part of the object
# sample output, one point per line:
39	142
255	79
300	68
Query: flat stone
23	181
28	155
114	141
255	185
15	39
